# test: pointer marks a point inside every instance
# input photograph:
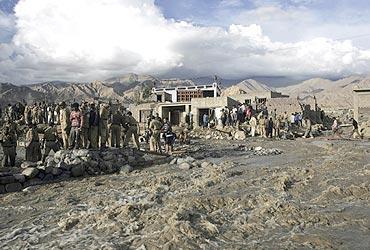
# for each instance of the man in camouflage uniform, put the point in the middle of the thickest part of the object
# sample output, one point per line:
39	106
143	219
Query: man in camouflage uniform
50	140
115	128
132	130
76	120
65	124
84	133
93	126
155	127
33	150
103	124
8	141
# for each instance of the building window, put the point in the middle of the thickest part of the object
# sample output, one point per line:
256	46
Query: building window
261	100
248	101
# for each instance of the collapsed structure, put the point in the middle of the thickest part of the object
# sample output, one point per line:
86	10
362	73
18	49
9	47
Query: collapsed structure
175	103
362	108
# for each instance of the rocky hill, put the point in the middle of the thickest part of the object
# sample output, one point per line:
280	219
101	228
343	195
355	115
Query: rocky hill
247	86
132	88
10	93
127	89
329	94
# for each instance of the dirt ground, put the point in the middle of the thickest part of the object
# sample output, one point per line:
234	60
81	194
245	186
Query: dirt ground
314	195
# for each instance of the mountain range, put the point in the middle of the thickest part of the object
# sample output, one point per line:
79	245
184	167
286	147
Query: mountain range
132	88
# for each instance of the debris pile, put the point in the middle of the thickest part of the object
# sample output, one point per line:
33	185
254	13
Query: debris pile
67	164
259	151
218	134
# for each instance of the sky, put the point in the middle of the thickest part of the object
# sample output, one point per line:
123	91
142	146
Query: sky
84	40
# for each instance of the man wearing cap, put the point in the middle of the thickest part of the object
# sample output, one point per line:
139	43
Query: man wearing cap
132	130
93	126
84	133
8	141
155	127
76	120
50	140
65	124
33	150
115	128
103	124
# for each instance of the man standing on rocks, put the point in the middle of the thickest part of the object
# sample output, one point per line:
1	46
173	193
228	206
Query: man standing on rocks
64	118
33	150
115	128
253	124
154	143
76	122
308	125
169	136
355	129
132	130
103	124
8	141
93	126
84	126
50	140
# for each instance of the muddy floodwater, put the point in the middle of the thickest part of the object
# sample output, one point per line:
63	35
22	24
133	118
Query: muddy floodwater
315	194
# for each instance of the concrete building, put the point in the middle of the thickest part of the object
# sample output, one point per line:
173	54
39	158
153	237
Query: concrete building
175	103
186	93
362	108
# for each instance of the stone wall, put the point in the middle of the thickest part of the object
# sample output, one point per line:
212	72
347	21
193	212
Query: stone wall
66	164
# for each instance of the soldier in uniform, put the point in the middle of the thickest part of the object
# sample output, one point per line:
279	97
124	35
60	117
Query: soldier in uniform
115	128
132	130
93	126
33	150
76	120
27	114
103	124
50	140
64	124
155	127
84	134
8	141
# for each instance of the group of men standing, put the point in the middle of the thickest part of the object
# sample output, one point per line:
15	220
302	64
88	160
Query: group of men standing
82	126
158	127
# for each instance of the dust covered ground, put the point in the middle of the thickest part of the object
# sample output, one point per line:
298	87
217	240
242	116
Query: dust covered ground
314	195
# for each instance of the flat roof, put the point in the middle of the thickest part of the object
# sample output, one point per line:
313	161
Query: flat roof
362	90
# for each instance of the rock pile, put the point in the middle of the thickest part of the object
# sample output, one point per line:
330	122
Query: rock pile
260	151
189	163
224	134
67	164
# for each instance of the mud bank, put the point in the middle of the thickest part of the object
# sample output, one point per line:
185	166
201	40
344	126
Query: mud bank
315	194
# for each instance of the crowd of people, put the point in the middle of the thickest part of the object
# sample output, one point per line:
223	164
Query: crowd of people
260	120
76	126
99	125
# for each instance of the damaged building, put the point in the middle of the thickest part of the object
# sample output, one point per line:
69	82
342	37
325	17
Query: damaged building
175	103
362	108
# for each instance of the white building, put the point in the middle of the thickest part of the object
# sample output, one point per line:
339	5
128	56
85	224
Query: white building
186	93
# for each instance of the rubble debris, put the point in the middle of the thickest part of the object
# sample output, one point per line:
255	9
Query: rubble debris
259	151
66	164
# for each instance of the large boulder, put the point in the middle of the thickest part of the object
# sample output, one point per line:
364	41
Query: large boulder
33	182
20	178
56	171
81	153
78	170
30	172
240	135
13	187
28	164
185	166
7	179
126	169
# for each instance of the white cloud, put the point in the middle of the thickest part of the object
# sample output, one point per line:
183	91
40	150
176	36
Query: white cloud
86	40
